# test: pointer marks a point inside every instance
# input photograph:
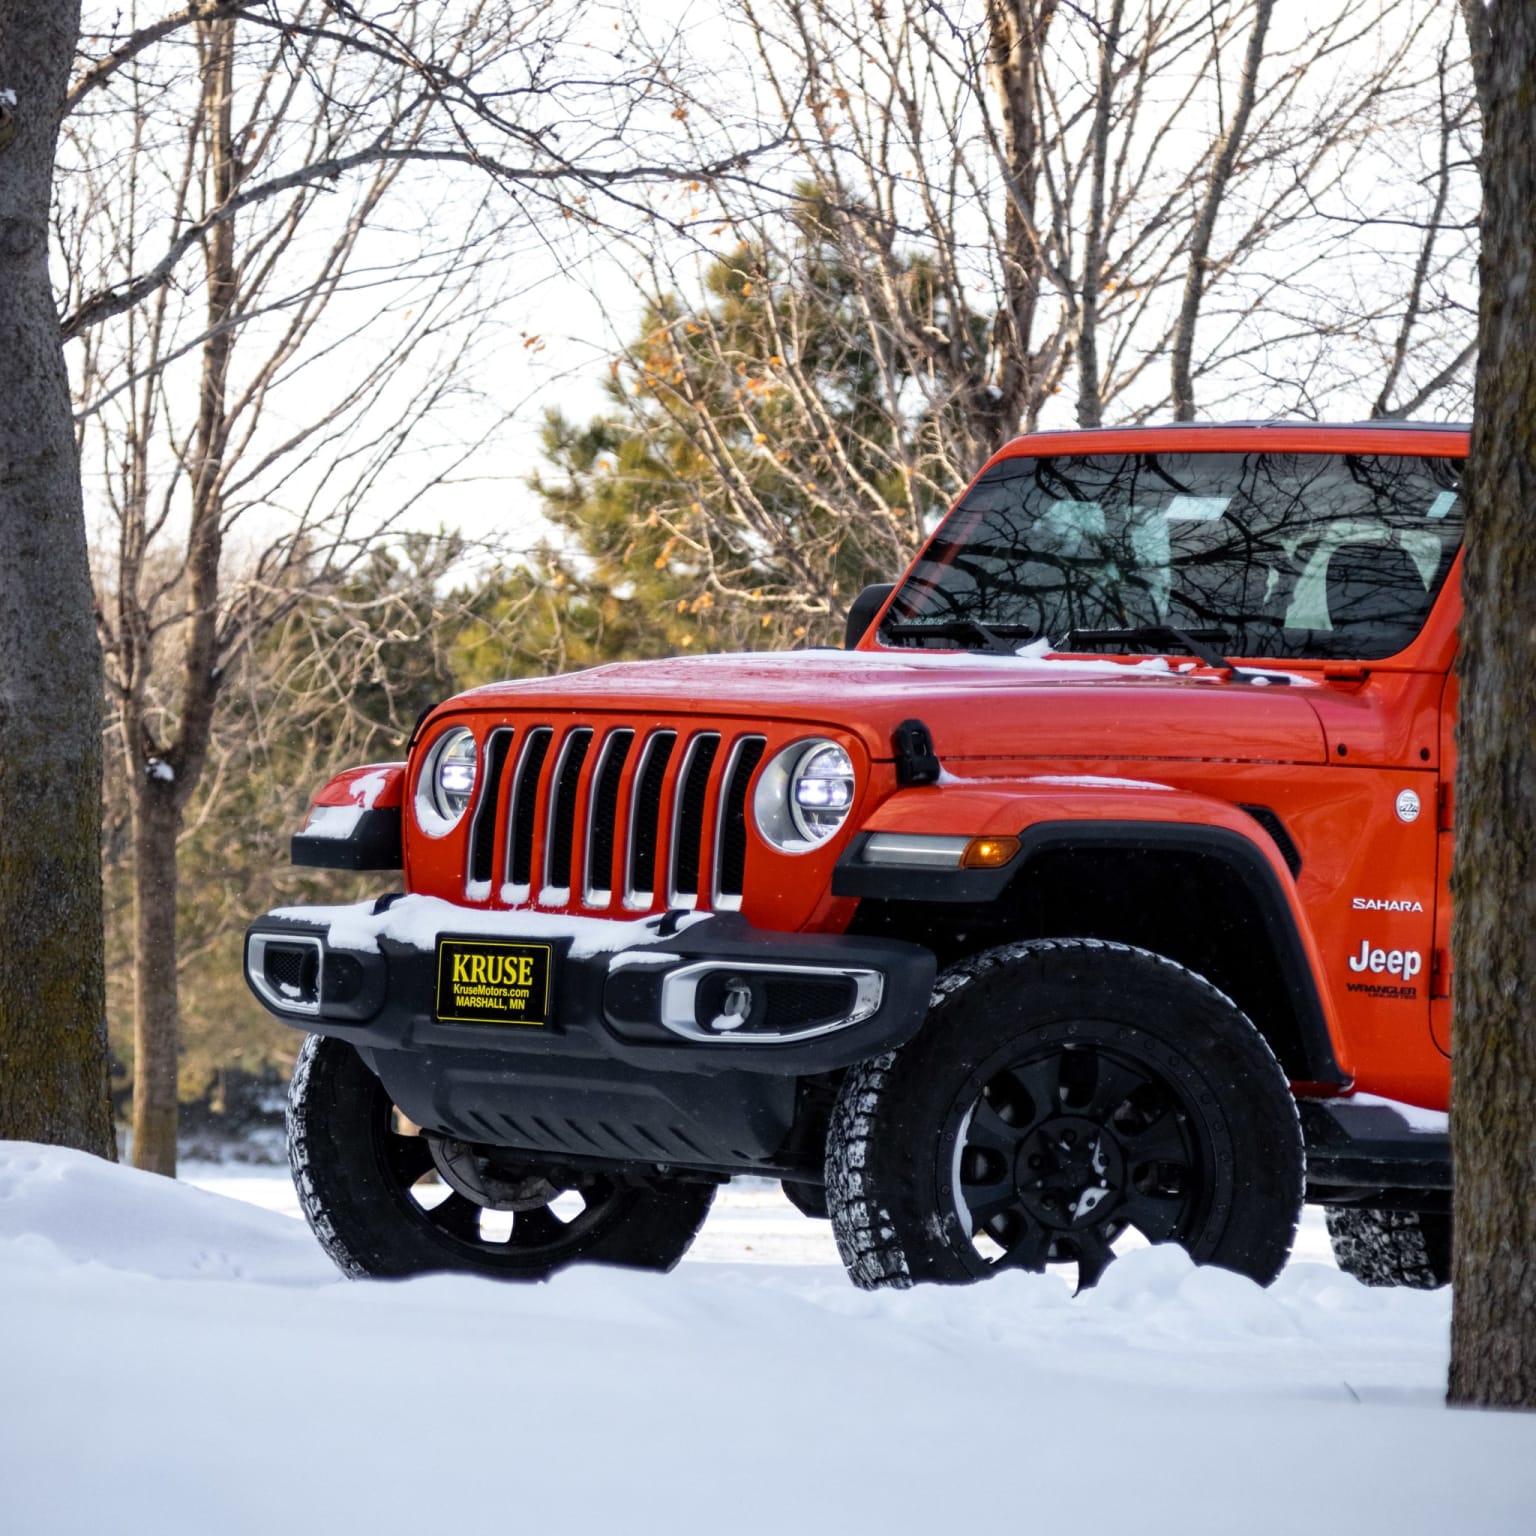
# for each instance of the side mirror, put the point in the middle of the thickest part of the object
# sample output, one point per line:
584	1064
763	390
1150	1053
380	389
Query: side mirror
861	615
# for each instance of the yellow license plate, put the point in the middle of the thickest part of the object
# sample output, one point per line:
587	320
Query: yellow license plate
485	981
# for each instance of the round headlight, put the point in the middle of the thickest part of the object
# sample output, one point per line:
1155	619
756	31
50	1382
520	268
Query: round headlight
447	781
821	792
804	795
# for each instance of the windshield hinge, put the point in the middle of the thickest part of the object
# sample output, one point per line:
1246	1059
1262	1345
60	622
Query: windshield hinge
1349	673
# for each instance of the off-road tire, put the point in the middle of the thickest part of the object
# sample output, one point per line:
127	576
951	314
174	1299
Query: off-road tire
900	1124
1381	1247
347	1174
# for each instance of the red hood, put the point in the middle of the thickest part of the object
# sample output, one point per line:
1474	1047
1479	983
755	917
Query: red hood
976	706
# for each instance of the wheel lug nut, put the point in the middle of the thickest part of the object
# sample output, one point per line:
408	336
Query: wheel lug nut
1034	1159
1069	1138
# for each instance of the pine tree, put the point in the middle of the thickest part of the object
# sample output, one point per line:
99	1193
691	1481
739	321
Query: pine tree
755	469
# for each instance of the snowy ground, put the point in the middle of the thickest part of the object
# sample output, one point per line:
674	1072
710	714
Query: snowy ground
178	1361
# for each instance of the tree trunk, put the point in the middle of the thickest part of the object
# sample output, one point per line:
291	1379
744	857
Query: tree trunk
53	1047
1090	383
1493	1109
1016	32
1223	162
166	776
156	1006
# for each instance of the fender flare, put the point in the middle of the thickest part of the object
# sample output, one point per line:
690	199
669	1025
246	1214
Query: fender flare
1133	818
354	821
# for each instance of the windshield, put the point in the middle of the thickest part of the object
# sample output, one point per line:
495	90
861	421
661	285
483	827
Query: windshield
1283	555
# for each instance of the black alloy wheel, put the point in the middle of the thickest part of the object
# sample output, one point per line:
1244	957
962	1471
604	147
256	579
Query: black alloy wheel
1062	1095
1067	1147
386	1200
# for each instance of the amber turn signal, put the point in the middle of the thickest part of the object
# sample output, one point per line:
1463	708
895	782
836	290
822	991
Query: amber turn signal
988	852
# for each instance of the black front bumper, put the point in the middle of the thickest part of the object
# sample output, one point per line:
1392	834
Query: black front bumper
629	1066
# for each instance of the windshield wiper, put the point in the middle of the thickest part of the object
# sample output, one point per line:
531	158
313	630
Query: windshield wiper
1195	641
994	637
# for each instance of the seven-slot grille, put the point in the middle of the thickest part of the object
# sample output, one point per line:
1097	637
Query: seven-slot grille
604	816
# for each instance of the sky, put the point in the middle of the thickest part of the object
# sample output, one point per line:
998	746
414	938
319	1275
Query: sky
560	301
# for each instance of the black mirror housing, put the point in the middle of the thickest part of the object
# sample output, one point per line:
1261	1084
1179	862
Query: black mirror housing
861	615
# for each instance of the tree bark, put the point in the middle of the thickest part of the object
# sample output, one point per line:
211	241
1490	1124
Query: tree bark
1493	1107
156	1004
1198	270
53	1048
1016	32
168	775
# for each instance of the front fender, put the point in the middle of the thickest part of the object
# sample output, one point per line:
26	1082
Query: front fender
354	821
1104	814
1041	811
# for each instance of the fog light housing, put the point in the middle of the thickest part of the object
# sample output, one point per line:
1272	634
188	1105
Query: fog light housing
772	1001
735	1005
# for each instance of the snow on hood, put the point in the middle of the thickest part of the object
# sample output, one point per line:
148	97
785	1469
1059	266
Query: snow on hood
1045	706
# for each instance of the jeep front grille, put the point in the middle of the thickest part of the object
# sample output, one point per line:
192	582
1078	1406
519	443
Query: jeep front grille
645	816
562	815
525	794
593	817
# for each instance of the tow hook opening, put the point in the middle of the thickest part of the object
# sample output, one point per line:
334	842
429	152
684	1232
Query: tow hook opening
287	972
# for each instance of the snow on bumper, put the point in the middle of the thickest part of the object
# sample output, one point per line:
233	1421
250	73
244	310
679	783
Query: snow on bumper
677	1040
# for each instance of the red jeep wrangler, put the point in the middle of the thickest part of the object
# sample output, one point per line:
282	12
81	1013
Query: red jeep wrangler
1099	888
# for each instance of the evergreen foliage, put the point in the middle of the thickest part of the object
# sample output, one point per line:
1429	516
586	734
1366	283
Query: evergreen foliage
754	470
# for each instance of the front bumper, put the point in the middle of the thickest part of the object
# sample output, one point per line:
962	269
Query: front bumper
649	1052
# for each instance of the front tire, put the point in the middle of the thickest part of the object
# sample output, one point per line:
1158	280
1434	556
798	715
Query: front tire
369	1194
1061	1093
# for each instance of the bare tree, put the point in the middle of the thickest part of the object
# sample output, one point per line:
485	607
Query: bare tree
1437	288
1014	214
53	1084
265	394
1128	168
272	284
1218	178
1493	1100
507	90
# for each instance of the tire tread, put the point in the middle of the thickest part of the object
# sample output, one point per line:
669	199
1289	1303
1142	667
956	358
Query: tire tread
868	1239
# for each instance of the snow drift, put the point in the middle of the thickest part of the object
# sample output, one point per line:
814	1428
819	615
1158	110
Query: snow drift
177	1361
